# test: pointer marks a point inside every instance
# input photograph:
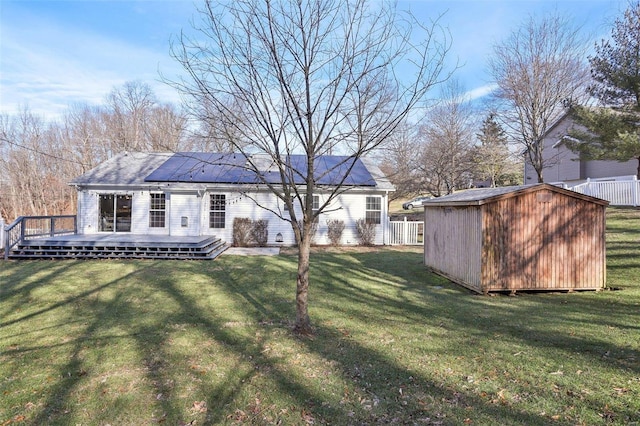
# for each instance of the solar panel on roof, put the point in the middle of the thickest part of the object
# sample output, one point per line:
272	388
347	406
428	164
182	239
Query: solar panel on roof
202	167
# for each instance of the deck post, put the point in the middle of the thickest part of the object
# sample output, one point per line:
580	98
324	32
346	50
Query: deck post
405	232
2	233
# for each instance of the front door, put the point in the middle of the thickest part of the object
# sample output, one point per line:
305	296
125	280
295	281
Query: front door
115	213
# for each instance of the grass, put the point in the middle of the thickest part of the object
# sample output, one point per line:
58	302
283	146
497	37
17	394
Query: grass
177	343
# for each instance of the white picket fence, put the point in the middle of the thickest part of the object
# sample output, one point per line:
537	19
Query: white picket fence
404	232
1	233
618	193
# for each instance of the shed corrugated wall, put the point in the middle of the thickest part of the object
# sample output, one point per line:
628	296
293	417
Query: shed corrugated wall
543	240
453	243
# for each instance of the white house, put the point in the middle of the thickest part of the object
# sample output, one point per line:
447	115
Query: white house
200	194
563	165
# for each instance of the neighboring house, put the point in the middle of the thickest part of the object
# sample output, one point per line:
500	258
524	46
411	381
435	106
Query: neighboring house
563	165
199	194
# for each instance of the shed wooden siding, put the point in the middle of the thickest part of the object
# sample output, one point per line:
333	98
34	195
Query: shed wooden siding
541	241
453	249
533	238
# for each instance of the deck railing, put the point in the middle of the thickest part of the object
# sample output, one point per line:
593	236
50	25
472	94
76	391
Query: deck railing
30	227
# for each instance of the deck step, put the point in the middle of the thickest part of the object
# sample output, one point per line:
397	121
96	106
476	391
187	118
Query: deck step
207	249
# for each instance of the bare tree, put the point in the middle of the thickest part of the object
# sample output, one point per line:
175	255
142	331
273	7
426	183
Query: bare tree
492	159
32	168
445	162
85	136
128	108
308	77
399	162
165	129
539	70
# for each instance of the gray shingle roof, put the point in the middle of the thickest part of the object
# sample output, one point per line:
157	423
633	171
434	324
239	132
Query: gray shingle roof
128	168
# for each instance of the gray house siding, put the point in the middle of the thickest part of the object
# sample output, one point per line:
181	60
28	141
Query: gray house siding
563	165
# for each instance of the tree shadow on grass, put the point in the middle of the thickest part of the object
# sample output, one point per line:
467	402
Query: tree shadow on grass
74	371
536	320
376	387
19	280
250	349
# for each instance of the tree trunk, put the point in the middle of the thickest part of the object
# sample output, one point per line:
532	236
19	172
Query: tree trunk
638	170
303	323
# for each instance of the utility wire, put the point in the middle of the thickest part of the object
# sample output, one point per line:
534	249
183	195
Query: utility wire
41	152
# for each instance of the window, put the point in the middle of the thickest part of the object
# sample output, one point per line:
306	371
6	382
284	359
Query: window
315	203
217	211
157	211
373	210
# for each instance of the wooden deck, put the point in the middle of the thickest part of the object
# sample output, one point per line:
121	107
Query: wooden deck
119	246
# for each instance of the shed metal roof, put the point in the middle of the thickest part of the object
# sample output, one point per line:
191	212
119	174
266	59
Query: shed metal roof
481	196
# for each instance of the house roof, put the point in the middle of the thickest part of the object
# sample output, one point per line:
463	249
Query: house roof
128	168
217	168
476	197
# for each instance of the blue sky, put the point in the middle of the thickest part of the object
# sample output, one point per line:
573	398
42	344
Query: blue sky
54	54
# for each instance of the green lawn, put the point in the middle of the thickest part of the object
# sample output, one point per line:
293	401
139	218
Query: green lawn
193	342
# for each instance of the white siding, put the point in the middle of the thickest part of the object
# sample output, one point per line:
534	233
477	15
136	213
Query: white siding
140	212
184	205
347	207
87	212
195	205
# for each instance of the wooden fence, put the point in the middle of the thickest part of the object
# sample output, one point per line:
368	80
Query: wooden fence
404	232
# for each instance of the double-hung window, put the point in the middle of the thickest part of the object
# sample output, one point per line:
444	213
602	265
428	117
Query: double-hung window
373	211
217	211
315	204
157	211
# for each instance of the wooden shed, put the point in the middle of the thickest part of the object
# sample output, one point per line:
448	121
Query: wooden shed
519	238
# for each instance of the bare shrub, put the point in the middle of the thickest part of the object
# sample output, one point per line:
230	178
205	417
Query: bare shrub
242	228
334	230
260	232
366	232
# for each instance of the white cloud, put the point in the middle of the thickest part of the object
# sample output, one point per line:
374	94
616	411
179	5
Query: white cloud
480	92
51	68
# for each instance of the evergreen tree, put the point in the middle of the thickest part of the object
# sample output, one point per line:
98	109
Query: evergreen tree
492	158
616	65
612	132
609	134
